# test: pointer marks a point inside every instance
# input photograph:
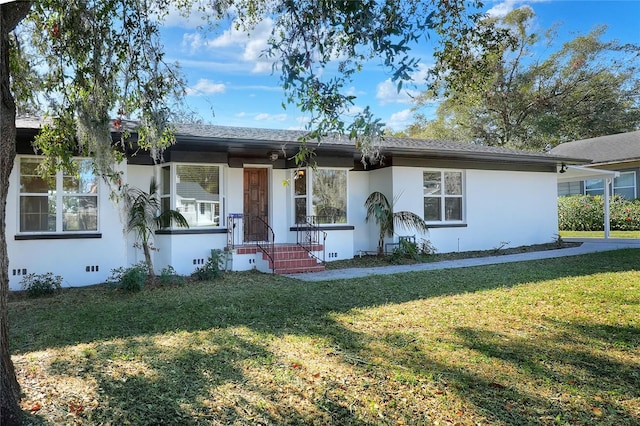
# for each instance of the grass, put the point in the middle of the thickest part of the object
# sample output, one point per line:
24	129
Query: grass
599	234
546	342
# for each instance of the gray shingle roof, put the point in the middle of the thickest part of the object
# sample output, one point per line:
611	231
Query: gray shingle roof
604	149
193	190
221	135
270	136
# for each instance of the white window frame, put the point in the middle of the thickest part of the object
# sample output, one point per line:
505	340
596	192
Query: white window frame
443	197
58	194
172	196
635	189
308	175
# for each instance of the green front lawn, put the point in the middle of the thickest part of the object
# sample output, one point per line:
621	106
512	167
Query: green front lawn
546	342
599	234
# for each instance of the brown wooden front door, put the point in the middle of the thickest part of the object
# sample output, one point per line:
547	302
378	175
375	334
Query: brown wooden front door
256	204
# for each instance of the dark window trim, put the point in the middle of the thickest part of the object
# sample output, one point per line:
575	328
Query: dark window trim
191	231
446	225
68	236
324	228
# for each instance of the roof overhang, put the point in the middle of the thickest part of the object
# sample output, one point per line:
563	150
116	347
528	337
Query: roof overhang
575	173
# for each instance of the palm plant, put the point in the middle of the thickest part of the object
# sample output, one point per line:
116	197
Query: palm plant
381	211
145	217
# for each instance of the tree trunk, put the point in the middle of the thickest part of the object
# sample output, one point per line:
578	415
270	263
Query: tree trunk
147	258
10	15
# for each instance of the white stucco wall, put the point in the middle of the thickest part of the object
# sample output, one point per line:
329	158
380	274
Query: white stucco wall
499	206
186	252
380	180
68	258
519	208
137	177
358	193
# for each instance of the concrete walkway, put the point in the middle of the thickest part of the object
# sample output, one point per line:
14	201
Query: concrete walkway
590	245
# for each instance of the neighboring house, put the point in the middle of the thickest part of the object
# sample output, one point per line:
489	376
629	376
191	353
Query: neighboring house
620	152
239	186
199	206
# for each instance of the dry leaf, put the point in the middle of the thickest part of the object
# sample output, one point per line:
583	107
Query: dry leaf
597	412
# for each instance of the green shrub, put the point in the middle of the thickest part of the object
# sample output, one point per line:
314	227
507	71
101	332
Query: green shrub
131	279
581	213
586	213
168	276
213	268
625	214
408	249
41	284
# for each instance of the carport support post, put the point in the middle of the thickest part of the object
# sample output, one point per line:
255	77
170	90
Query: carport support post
607	219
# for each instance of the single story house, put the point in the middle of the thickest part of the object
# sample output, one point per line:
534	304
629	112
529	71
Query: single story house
619	153
241	192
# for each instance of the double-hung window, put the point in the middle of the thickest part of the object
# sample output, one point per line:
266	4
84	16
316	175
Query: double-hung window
321	193
194	190
443	195
59	203
624	185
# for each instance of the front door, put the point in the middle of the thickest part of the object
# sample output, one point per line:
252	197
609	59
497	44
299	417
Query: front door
256	204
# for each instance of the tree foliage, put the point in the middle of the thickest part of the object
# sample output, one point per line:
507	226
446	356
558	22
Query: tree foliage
89	65
585	89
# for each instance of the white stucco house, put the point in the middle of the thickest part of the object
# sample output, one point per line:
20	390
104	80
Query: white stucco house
241	192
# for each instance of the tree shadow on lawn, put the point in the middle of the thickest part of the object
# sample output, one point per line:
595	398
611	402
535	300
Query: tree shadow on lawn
144	381
267	303
279	306
586	386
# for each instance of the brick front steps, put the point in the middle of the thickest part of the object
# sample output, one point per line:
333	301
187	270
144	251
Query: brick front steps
287	259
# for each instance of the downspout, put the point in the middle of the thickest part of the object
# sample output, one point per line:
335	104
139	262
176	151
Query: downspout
607	218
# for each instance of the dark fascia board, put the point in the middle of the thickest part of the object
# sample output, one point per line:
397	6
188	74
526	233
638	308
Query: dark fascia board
477	164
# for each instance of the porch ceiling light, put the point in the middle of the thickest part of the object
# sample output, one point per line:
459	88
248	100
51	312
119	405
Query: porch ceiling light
273	155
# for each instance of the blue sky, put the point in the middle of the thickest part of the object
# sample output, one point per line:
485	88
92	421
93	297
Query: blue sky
231	84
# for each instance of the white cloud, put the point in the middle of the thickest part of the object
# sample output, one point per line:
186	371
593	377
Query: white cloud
193	42
500	10
352	91
192	18
206	87
400	119
354	110
421	74
387	93
270	117
252	45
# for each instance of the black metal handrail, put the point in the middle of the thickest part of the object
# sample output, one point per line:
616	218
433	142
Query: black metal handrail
268	246
308	235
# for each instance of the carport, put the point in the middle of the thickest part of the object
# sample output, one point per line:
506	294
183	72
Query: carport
579	173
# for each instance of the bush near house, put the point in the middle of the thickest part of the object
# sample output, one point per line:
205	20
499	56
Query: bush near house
586	213
36	285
